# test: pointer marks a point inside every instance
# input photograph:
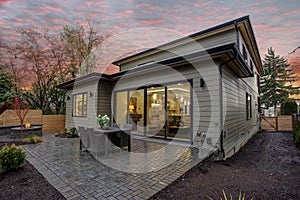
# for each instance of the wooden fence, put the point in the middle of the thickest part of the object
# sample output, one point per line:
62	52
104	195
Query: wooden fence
9	118
279	123
51	123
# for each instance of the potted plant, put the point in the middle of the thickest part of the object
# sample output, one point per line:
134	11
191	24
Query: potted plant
103	121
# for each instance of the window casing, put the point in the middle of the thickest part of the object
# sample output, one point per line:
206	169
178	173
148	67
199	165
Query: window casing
245	53
248	106
251	67
80	105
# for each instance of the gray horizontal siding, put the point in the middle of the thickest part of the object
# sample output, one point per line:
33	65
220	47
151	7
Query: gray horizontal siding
104	98
91	88
239	129
206	104
199	45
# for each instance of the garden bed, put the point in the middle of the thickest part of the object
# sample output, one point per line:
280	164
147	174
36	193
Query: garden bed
26	183
267	167
14	131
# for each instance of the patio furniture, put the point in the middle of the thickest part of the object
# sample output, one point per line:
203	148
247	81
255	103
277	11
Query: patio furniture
84	138
116	125
117	136
97	142
128	126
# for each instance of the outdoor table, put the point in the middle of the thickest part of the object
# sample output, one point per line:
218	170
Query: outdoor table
120	137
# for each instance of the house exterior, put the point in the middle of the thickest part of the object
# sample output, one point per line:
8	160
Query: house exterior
204	84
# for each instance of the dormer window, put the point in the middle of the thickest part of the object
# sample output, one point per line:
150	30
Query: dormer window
245	53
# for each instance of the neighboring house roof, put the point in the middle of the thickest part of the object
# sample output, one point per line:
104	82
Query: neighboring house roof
242	23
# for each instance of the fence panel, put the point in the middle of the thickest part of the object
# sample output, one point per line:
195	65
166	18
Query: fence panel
279	123
9	118
285	123
53	123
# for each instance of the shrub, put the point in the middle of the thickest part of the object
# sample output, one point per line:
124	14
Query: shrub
64	131
226	197
73	132
296	134
288	107
11	157
33	139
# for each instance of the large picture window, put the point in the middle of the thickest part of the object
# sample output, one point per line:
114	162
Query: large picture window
80	105
248	106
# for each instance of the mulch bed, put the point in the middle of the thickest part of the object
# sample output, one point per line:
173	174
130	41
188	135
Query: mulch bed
26	183
268	167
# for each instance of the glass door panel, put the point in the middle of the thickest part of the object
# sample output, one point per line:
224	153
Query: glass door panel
178	110
121	108
156	111
136	111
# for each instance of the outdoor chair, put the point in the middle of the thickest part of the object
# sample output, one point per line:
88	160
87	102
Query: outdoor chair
128	126
84	138
115	125
97	142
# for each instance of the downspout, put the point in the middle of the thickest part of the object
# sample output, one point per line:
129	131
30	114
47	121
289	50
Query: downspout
221	105
221	92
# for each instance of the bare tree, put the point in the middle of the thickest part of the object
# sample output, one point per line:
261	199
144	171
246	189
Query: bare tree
80	41
44	58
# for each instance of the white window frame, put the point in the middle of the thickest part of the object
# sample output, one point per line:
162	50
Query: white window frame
81	109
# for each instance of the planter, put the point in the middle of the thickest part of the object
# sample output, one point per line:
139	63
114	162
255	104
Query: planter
105	127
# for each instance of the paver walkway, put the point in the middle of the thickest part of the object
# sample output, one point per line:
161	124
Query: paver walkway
77	175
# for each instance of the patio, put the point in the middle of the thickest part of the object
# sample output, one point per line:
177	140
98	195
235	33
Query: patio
79	176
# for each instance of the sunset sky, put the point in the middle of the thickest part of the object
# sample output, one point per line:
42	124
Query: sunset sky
275	23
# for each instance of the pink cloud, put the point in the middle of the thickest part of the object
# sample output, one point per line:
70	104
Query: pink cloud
202	4
149	6
125	13
53	8
271	9
4	2
151	21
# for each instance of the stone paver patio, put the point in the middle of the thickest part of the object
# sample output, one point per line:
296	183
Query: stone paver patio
77	175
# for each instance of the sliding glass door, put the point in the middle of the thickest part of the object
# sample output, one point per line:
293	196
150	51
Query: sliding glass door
121	108
156	111
178	110
136	111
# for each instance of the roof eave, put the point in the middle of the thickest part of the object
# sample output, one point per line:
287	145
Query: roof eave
180	40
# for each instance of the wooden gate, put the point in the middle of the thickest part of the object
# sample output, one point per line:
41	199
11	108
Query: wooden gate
269	123
279	123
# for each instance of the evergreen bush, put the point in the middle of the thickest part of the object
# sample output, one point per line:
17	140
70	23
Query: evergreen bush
288	108
296	134
11	157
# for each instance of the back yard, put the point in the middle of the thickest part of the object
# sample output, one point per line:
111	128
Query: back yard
268	167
